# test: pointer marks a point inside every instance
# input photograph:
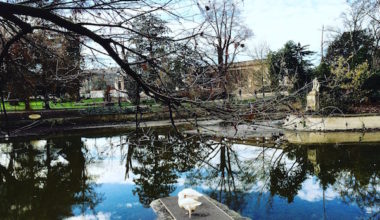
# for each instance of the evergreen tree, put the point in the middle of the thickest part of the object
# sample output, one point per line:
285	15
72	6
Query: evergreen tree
291	61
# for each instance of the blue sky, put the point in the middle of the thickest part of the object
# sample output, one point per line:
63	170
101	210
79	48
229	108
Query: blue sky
273	22
277	21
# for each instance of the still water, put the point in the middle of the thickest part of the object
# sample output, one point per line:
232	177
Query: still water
116	177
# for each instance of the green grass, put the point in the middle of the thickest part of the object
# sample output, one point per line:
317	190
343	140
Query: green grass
35	105
8	107
39	105
94	100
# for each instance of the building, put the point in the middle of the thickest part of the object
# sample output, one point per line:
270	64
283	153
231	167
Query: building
100	82
248	78
245	80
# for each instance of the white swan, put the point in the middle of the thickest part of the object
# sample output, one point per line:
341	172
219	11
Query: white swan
189	193
188	204
187	199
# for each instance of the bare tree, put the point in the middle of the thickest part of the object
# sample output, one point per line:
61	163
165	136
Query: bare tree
260	54
369	13
225	31
102	22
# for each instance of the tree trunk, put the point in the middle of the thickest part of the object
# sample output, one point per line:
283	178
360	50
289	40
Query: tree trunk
222	165
27	104
222	73
4	110
46	101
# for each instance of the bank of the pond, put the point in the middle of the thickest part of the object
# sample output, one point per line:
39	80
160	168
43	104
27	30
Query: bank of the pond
66	126
354	122
113	118
73	120
337	137
86	116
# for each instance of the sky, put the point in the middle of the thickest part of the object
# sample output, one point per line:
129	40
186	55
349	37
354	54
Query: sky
273	22
277	21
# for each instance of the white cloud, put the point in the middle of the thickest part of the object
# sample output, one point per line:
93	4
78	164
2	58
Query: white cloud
311	191
108	166
98	216
110	171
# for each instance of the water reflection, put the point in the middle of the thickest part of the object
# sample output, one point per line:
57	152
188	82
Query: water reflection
61	177
353	172
159	161
44	179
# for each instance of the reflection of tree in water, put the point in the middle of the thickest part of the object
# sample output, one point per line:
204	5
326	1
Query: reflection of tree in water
287	181
231	174
44	180
220	170
352	171
159	158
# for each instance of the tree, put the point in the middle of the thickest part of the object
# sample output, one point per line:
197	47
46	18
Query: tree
166	63
290	61
104	28
260	54
18	70
49	66
357	46
353	57
59	60
147	39
322	71
223	38
52	17
349	80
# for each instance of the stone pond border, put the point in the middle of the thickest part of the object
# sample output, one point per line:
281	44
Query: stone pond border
332	123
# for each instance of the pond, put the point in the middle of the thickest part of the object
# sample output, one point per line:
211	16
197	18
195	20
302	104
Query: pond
118	176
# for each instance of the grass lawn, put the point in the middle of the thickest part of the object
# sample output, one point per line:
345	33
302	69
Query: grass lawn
39	105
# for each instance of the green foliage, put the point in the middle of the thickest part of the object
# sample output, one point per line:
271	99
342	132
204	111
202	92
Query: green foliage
373	86
290	61
350	69
322	71
356	47
346	86
351	79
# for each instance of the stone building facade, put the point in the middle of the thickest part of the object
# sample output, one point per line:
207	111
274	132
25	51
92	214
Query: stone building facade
244	80
247	78
99	82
